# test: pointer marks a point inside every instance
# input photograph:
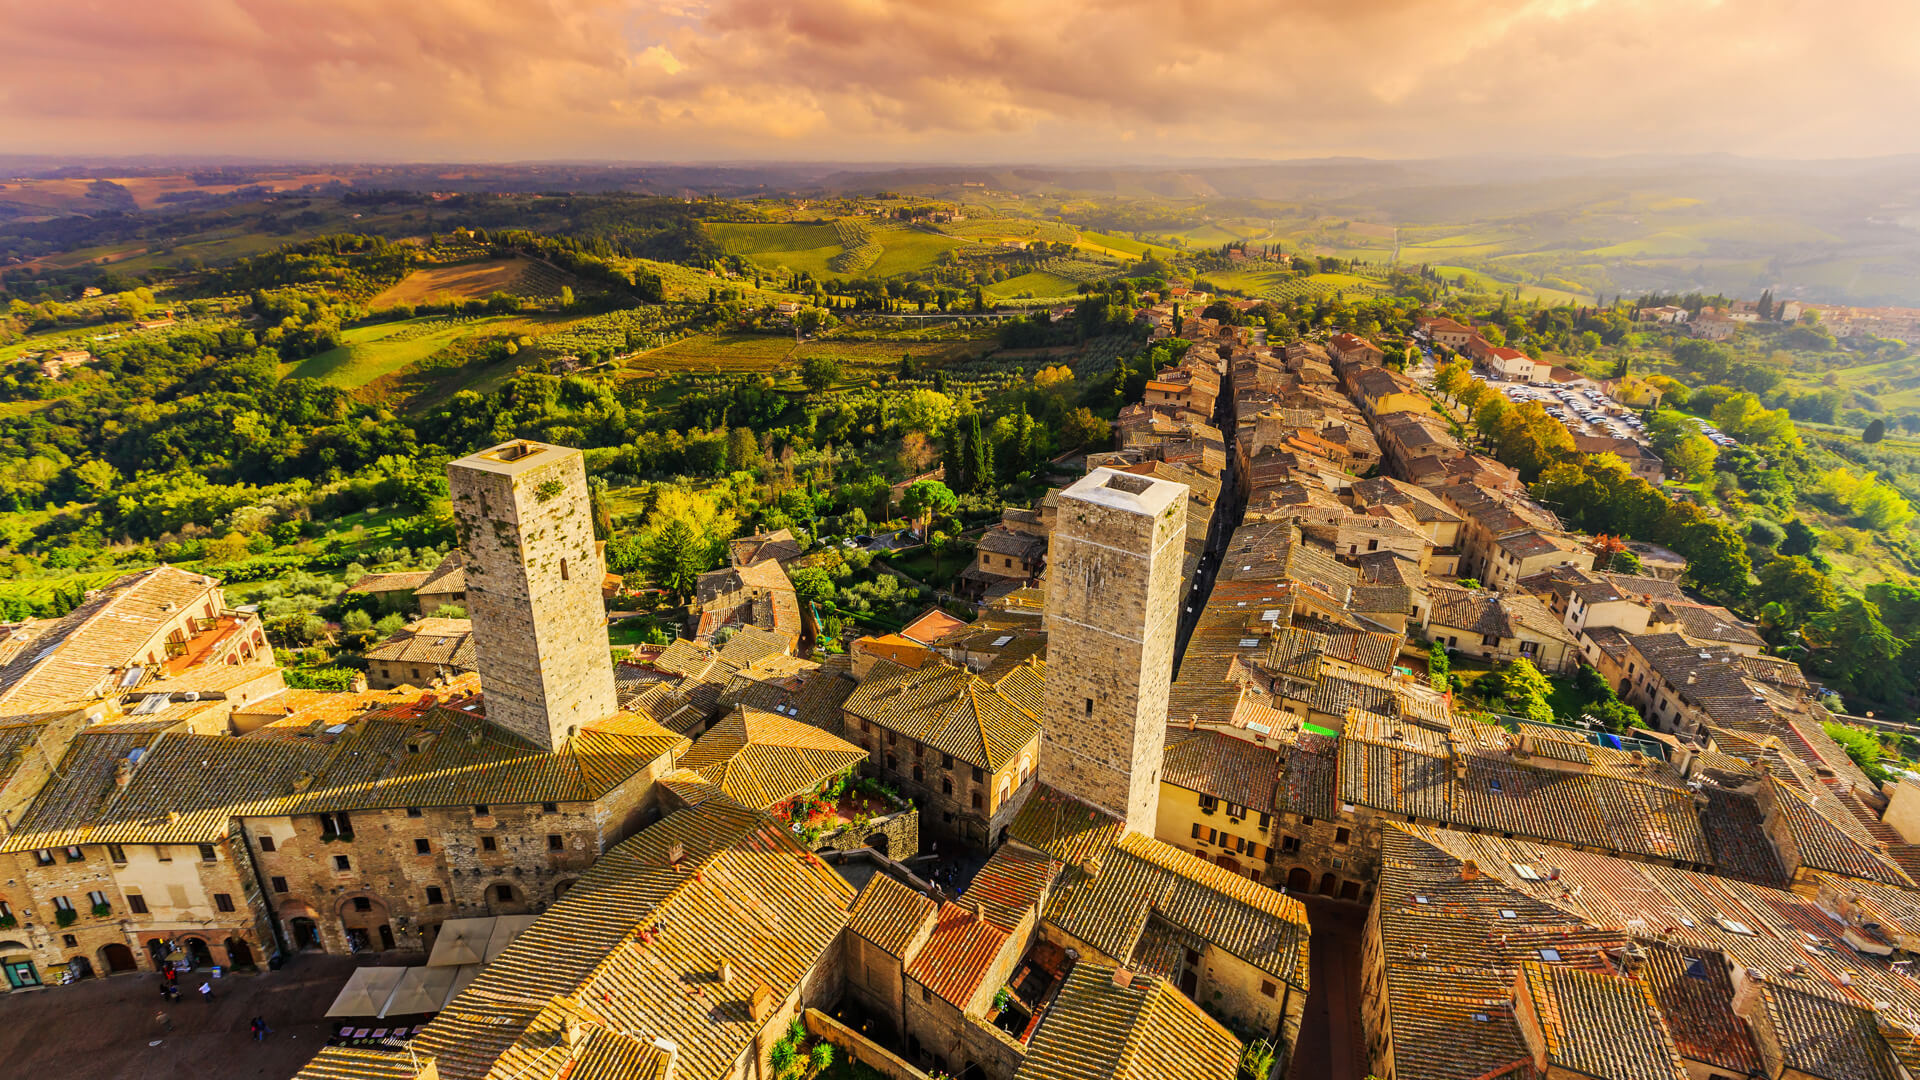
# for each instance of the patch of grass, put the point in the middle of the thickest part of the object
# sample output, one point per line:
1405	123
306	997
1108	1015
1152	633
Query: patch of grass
384	348
1038	284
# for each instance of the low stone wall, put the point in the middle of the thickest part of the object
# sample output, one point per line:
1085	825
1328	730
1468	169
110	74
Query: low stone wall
900	829
857	1047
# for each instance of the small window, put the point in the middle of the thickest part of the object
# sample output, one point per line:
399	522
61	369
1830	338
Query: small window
946	761
926	994
434	896
119	854
549	808
207	854
979	803
423	846
69	940
44	857
361	903
503	893
161	853
97	898
555	842
279	884
413	811
266	843
1089	704
1341	836
223	901
61	903
563	570
946	785
1196	830
481	810
341	862
487	843
978	775
74	854
1551	956
1268	989
136	903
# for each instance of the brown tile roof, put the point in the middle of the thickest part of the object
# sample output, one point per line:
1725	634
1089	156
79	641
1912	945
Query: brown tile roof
1600	1025
357	1063
637	940
1821	1037
1138	876
779	545
1222	766
441	642
402	581
1099	1029
761	759
1704	622
1829	838
982	723
79	655
1693	988
1011	885
1062	826
1499	614
890	914
450	576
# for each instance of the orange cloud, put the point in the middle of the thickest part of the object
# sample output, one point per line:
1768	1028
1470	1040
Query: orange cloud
941	79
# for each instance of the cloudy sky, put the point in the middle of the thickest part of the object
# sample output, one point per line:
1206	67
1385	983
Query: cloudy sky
894	80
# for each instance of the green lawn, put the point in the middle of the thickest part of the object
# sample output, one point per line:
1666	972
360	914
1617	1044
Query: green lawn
1038	284
907	250
384	348
796	247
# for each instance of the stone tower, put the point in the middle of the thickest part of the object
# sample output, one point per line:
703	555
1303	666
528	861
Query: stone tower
1113	605
533	589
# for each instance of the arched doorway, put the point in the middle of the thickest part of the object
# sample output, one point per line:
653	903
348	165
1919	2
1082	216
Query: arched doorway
560	887
17	962
1328	883
1299	879
881	843
197	952
157	951
78	968
117	958
306	933
239	953
364	918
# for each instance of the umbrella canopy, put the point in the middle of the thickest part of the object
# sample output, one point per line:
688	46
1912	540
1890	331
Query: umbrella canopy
463	975
505	929
461	941
421	990
367	991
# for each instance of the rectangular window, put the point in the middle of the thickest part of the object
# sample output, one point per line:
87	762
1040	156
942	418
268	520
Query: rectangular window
97	898
978	802
1341	836
61	903
487	843
946	761
266	843
44	857
74	854
1196	830
223	901
1289	844
1266	819
1089	703
341	862
117	853
279	884
978	775
433	895
1267	989
423	846
1208	804
207	854
1236	810
481	810
549	808
413	811
555	842
503	893
136	903
1213	836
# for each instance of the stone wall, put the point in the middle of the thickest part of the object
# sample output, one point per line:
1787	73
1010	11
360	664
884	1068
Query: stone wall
896	836
856	1047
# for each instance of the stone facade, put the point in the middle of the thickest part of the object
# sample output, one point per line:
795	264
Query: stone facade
533	588
896	836
1113	606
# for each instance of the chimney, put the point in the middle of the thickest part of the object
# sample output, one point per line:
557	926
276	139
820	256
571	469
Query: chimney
725	971
575	1030
1122	978
762	1003
123	773
1692	677
676	854
173	817
670	1050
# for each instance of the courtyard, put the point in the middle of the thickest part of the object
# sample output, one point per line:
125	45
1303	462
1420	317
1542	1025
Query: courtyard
108	1028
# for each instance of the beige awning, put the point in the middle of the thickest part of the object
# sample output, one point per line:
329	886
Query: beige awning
463	975
366	993
505	929
421	990
461	941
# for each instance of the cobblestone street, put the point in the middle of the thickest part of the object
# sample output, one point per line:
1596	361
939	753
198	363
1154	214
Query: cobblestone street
100	1029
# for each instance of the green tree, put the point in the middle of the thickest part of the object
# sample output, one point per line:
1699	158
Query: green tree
925	501
1862	746
1800	538
1439	667
1692	457
1852	644
1797	586
817	372
1876	430
1517	689
676	556
812	584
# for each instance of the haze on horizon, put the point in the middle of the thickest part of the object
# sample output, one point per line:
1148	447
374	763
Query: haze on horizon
943	80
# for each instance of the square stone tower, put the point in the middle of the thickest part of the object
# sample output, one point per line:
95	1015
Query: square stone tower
1113	606
533	589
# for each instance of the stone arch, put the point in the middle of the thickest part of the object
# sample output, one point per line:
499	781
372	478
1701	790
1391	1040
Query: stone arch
116	958
239	953
364	918
79	967
506	898
1299	880
560	887
1328	882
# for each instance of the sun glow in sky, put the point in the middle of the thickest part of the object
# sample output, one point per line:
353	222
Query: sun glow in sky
898	80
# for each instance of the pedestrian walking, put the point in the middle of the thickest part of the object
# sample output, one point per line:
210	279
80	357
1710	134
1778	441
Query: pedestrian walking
163	1021
206	992
258	1028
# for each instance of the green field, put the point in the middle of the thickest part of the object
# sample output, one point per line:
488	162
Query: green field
907	250
1895	384
1039	284
384	348
1122	247
796	247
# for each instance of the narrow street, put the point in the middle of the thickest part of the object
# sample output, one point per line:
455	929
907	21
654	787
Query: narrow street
1226	519
1332	1045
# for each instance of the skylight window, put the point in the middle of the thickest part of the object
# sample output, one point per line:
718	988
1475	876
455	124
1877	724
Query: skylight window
1419	899
1526	873
1002	640
1551	956
1737	927
1249	642
1507	913
1494	786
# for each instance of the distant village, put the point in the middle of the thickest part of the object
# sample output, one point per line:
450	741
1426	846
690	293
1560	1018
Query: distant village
1191	716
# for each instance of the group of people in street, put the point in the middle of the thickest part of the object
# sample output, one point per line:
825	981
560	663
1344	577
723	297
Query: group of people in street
170	991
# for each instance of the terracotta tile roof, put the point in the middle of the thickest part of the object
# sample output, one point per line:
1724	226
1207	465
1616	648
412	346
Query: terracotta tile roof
761	759
1011	885
450	576
1227	768
1138	876
1693	988
1828	837
1503	615
1821	1037
356	1063
1704	622
981	723
638	941
441	642
79	655
1600	1025
403	581
779	545
890	914
1429	1009
1099	1029
787	686
957	955
1062	826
